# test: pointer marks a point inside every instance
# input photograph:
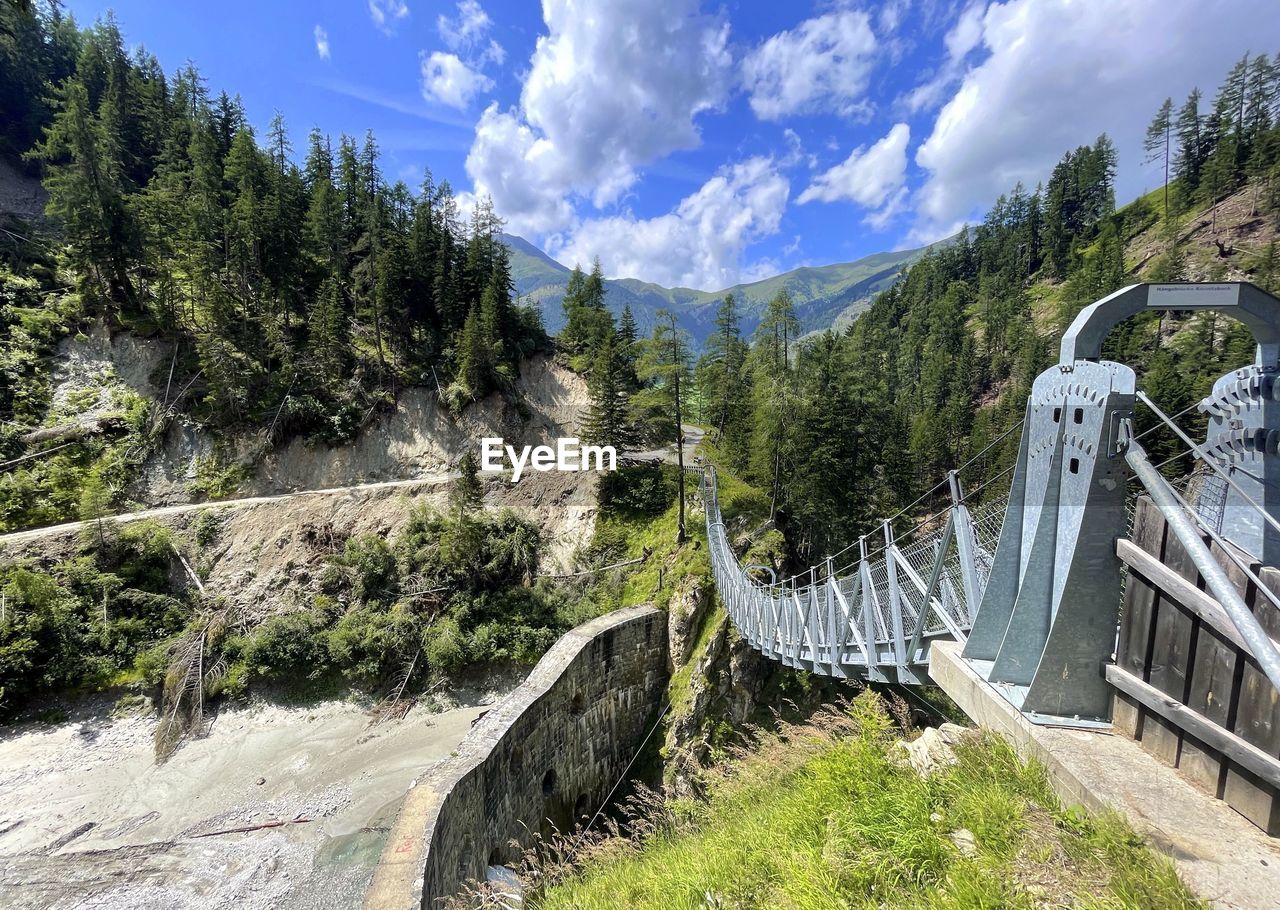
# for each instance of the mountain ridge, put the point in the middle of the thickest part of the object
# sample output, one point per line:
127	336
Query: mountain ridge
825	295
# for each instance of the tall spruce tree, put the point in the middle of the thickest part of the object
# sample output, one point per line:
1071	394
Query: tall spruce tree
665	364
608	417
1159	144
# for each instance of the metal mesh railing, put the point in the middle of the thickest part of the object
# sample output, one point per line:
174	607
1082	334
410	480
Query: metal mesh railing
839	625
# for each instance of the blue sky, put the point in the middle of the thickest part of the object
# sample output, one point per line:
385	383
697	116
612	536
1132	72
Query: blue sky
696	144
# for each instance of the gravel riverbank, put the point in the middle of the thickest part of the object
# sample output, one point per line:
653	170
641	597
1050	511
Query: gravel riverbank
89	820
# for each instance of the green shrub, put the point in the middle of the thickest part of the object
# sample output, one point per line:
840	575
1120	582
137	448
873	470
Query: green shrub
367	643
208	525
152	663
442	645
217	478
642	491
373	567
288	645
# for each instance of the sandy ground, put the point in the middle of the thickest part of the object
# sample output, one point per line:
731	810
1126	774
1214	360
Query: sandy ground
88	820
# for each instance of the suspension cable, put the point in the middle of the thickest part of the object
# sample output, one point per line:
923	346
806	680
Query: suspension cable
921	498
1152	429
1205	457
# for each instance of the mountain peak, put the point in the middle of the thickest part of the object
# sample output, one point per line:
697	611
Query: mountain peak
826	296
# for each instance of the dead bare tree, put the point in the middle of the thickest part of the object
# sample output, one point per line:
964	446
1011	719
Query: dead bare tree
188	681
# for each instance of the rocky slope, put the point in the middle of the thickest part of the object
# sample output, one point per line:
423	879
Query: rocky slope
267	552
419	439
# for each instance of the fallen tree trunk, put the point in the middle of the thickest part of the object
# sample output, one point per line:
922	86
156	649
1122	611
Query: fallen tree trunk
243	829
108	423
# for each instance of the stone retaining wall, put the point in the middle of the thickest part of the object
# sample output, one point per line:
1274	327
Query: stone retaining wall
547	754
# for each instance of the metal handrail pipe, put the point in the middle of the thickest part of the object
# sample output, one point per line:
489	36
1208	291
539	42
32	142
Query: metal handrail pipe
1187	531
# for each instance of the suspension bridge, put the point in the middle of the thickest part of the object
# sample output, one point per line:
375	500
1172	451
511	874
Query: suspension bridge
1076	595
1052	590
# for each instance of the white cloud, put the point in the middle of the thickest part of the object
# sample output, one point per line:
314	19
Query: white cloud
322	42
1060	72
387	13
447	80
614	86
795	151
701	242
495	52
964	37
821	65
465	29
874	177
891	15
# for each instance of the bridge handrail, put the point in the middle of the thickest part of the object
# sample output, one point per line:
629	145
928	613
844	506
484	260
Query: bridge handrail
878	620
1189	526
1183	521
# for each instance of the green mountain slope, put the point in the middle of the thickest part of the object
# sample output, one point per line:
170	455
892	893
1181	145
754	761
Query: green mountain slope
825	295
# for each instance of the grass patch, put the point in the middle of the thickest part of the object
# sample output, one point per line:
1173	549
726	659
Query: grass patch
821	816
639	518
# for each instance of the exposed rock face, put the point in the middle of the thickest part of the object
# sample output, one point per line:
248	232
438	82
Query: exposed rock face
725	687
20	194
419	439
685	612
98	361
422	438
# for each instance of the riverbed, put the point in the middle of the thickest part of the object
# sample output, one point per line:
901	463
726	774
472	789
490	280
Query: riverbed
89	820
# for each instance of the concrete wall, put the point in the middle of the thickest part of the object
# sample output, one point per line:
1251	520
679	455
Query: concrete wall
547	754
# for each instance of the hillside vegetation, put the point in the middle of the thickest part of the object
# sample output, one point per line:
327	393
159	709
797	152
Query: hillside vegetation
293	299
829	815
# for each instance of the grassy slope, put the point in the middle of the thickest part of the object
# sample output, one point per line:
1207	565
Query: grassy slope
1243	231
822	817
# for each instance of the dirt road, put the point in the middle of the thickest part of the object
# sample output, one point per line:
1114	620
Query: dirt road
18	537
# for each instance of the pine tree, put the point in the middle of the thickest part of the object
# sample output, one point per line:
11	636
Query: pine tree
588	323
627	332
329	341
95	507
1262	95
1159	143
87	189
324	213
608	417
725	360
282	260
780	326
666	364
466	493
475	357
1191	148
